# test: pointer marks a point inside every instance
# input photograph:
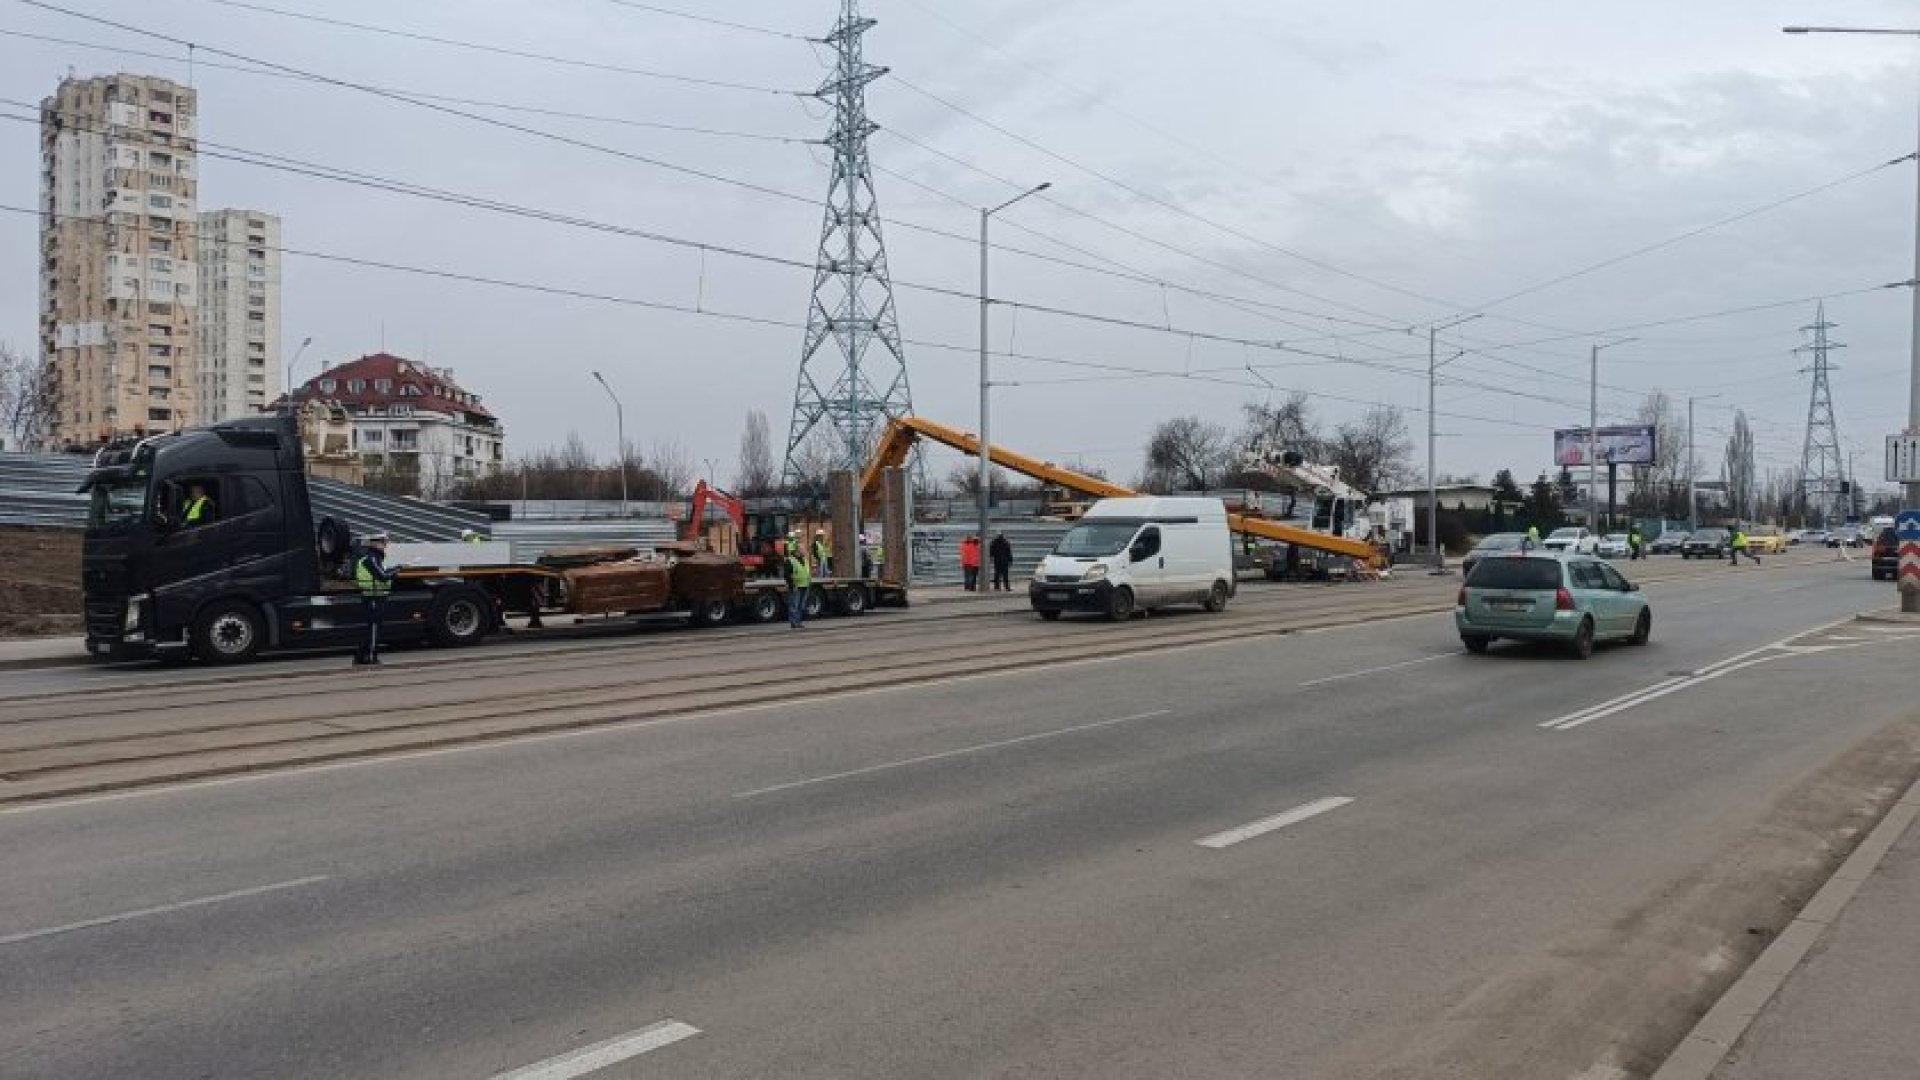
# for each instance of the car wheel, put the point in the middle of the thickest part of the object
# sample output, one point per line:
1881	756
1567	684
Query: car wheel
1050	616
1217	597
1475	643
1642	629
459	617
1120	604
227	632
1582	646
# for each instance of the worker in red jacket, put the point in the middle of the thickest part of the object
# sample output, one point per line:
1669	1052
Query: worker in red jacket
970	562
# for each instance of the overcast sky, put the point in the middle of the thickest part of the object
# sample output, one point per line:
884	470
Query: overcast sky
1341	171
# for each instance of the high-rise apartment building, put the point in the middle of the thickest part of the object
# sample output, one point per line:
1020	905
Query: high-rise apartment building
237	338
117	256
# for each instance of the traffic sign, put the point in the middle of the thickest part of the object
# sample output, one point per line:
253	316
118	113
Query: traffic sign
1906	526
1903	459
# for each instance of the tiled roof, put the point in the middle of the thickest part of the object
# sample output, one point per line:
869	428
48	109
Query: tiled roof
383	379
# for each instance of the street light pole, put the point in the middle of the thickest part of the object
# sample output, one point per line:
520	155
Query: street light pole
983	496
1593	433
1433	486
620	427
1909	598
295	362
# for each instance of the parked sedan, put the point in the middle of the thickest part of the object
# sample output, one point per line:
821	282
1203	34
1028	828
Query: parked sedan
1491	545
1613	546
1667	543
1575	541
1535	596
1886	556
1707	544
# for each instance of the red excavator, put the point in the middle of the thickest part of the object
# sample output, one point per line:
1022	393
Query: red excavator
754	535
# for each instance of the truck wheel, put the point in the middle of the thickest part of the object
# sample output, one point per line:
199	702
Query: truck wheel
459	617
816	602
1217	597
766	606
227	632
710	612
1120	604
855	601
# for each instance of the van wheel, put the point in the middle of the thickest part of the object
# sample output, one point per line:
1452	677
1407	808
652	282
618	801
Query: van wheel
227	632
1120	604
766	606
854	601
1217	597
710	612
460	617
1050	616
1582	646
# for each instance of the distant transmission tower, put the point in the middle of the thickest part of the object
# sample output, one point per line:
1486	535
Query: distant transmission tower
859	381
1822	470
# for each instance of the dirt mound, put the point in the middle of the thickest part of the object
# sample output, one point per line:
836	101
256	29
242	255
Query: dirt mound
39	581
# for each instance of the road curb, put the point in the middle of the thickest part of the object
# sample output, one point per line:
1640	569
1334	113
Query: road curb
1706	1047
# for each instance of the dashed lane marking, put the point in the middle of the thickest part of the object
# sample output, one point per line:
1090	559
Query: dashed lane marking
1278	821
163	909
612	1051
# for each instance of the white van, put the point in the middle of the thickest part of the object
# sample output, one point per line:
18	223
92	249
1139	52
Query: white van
1133	554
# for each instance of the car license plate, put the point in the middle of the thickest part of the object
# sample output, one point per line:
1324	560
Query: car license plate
1060	596
1508	603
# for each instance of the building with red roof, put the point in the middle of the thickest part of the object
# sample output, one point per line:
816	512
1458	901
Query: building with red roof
411	421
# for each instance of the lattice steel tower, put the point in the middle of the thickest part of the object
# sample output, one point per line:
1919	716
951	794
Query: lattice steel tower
1822	469
853	374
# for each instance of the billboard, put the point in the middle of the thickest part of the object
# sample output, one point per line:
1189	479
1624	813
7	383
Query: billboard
1628	445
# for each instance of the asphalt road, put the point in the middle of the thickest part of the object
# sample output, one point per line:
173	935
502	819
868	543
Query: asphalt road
999	874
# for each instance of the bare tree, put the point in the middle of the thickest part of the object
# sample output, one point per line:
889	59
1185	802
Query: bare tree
26	395
758	475
671	469
1373	453
1186	453
1288	425
1738	465
814	460
1656	486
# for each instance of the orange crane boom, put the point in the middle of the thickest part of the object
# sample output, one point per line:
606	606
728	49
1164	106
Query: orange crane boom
903	431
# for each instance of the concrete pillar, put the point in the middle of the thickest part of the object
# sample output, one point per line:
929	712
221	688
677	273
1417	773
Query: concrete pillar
896	516
845	526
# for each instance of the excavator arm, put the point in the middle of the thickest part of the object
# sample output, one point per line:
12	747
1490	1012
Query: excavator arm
703	493
903	431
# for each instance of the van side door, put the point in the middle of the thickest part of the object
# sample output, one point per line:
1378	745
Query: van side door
1147	566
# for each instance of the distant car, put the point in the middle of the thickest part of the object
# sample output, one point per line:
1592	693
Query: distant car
1813	536
1667	543
1491	545
1794	536
1707	544
1851	536
1573	541
1886	556
1764	542
1613	546
1536	596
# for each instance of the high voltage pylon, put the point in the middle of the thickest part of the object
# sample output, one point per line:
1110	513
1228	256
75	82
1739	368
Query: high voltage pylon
853	386
1822	471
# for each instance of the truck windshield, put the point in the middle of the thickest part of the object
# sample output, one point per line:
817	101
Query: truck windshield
1095	538
117	503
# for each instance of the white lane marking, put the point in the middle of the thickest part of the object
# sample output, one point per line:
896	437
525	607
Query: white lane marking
1376	670
1278	821
104	920
1606	709
602	1054
923	758
1621	701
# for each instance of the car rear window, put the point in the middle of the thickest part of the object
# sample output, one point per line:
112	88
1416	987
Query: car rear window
1515	574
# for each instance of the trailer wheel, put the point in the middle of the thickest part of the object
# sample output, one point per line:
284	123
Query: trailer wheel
710	612
855	601
766	606
227	632
816	602
459	617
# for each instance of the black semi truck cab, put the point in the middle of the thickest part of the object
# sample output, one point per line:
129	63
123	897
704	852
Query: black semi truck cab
256	572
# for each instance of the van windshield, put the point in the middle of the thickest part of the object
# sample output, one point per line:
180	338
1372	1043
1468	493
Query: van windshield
1091	539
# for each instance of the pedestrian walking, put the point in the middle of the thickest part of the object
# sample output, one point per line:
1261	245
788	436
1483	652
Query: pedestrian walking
1001	553
970	563
1635	544
1738	547
375	579
799	579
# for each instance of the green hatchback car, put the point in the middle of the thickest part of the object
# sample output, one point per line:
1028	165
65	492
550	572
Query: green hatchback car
1574	600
